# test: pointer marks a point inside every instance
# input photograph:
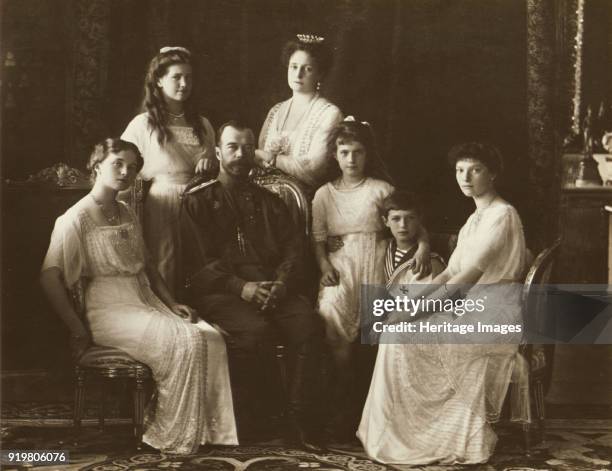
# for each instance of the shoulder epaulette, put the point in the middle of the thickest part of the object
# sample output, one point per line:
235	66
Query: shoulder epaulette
201	186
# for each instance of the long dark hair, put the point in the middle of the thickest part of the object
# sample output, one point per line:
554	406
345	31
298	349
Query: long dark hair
355	131
154	102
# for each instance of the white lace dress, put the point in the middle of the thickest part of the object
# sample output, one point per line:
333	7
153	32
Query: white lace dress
354	215
433	403
170	167
307	144
193	403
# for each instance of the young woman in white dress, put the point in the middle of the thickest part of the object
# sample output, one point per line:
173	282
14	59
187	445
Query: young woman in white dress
175	142
433	399
128	306
294	135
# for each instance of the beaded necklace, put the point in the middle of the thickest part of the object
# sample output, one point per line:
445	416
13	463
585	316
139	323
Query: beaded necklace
112	219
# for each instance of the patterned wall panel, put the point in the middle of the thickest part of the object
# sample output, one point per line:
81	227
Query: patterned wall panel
87	83
540	109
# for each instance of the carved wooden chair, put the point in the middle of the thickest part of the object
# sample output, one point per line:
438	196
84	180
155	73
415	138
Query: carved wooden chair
537	359
106	363
293	194
533	366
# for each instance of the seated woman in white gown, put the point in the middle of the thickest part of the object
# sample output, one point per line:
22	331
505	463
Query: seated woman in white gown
432	401
129	307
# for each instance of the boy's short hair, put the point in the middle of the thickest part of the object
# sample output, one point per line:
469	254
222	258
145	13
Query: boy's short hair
401	201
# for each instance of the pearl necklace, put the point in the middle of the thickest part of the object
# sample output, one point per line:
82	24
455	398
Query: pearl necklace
343	186
113	219
176	116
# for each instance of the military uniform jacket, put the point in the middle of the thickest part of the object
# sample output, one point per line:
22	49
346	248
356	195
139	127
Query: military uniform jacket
231	235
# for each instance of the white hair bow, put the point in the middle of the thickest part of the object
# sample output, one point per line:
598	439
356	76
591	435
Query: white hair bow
163	50
351	119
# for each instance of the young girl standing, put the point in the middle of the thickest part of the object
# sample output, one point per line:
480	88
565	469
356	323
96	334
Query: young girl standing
175	142
348	208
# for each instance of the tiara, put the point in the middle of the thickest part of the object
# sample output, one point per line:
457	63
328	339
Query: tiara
166	49
310	38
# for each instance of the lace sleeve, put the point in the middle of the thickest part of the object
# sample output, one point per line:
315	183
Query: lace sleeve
317	156
265	129
66	248
310	161
319	215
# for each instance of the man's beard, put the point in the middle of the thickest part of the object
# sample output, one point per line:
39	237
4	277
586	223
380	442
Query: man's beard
238	170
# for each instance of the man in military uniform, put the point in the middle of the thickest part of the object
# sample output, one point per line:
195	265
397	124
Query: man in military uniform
242	258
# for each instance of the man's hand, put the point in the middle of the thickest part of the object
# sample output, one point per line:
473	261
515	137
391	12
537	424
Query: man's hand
278	291
256	291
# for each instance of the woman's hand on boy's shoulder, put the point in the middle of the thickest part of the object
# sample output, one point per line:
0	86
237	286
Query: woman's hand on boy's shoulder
421	264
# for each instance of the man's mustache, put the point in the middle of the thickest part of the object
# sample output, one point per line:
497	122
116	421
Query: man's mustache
241	163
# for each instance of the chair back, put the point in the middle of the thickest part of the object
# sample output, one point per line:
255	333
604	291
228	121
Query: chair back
534	303
443	243
293	194
134	197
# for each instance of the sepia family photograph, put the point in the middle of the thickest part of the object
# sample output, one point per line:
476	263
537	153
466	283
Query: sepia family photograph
348	235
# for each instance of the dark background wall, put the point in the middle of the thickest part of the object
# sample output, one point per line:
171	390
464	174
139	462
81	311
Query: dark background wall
425	74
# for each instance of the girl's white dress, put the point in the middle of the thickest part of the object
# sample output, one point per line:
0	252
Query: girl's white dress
433	403
193	403
169	167
355	216
306	145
